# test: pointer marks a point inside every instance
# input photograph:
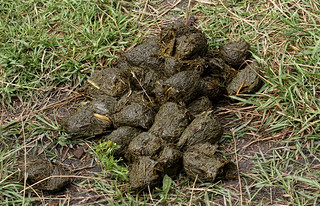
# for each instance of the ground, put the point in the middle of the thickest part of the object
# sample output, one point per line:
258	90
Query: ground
49	48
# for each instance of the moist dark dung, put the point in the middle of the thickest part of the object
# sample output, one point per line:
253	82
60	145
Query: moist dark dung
103	105
171	158
145	172
172	66
201	161
212	88
135	115
110	82
146	55
221	71
191	46
145	144
235	53
183	86
170	122
133	97
204	128
149	81
159	103
246	81
143	79
91	119
122	136
183	42
198	106
38	169
85	122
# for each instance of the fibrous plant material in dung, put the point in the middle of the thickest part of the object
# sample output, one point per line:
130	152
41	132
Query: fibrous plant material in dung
43	174
162	95
202	161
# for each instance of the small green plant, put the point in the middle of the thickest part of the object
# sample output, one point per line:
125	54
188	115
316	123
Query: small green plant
166	184
110	164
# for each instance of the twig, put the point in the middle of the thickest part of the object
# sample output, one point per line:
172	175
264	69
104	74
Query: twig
241	86
38	196
144	10
25	163
76	28
7	177
166	11
24	87
63	176
150	194
188	12
114	21
261	140
16	150
194	183
23	117
144	91
234	15
237	164
42	60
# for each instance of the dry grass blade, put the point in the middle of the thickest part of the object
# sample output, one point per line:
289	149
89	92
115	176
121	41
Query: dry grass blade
237	164
102	117
192	190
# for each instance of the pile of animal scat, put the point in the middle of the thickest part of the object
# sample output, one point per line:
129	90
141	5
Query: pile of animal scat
158	105
43	174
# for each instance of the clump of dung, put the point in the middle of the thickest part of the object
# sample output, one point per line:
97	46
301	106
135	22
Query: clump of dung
43	174
202	161
158	104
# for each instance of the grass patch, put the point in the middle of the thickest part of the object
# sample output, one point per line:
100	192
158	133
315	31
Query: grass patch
110	164
48	48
